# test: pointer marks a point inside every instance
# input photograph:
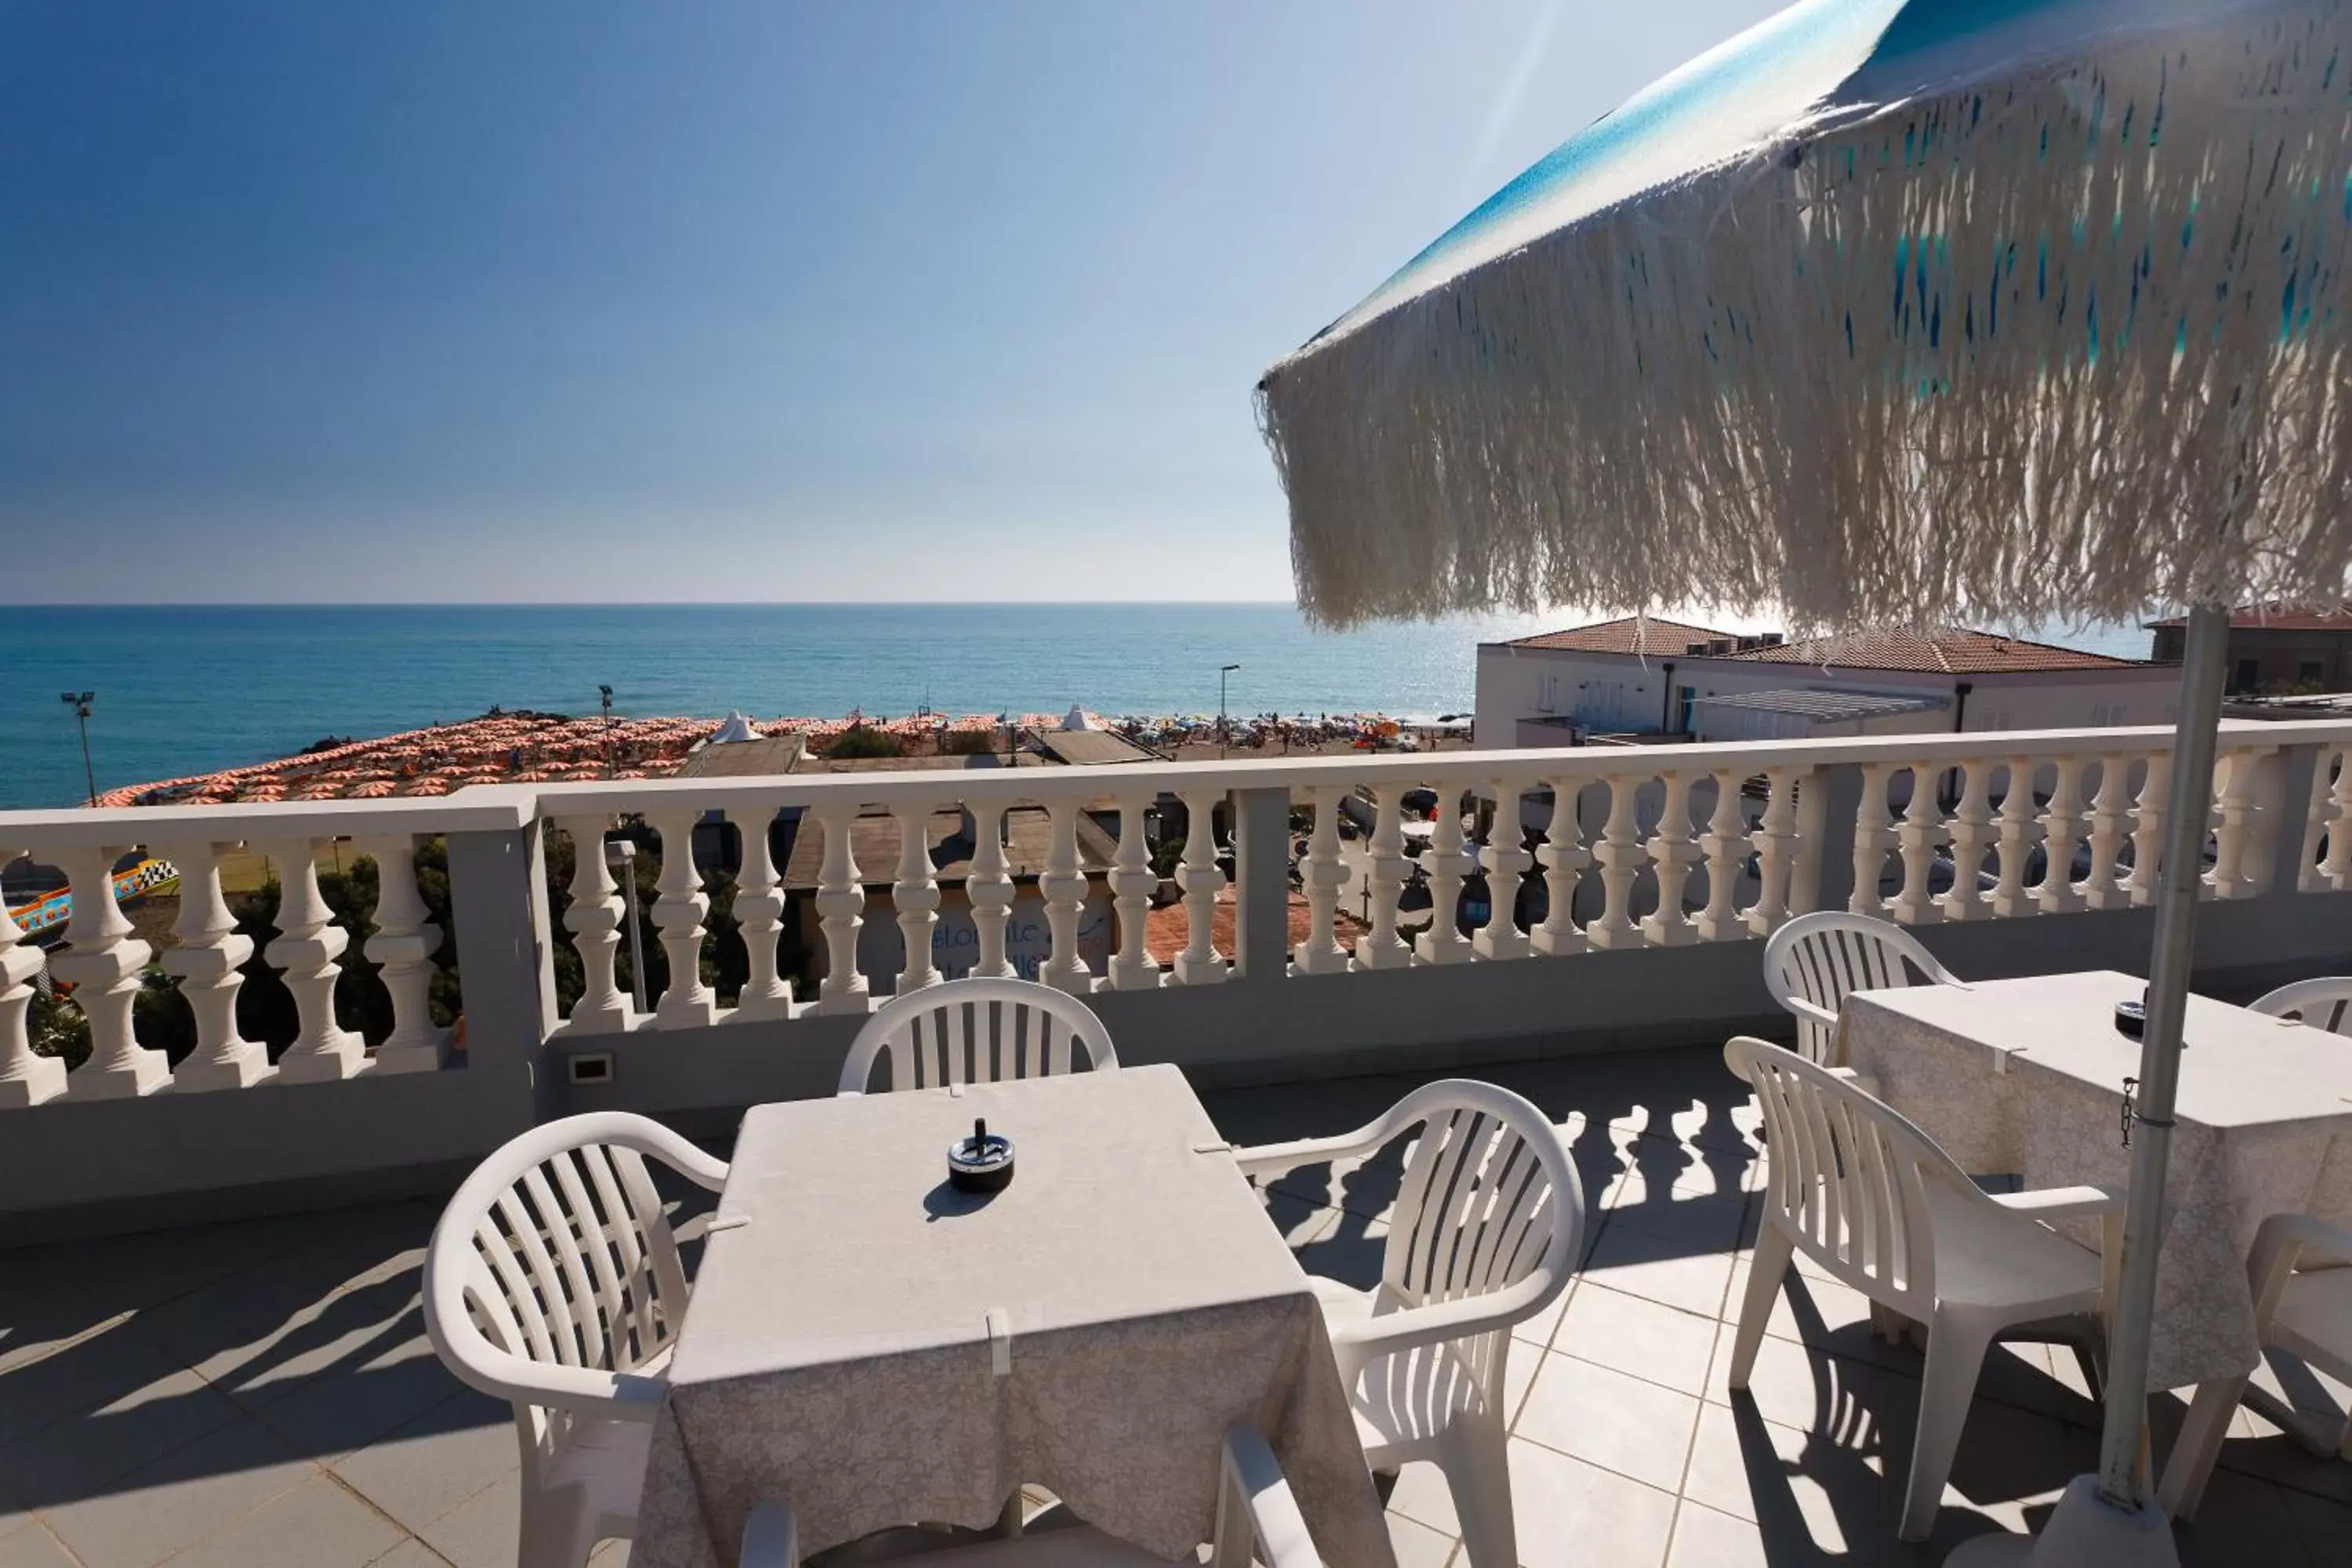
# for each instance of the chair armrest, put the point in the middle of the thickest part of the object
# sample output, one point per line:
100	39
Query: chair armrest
604	1395
2062	1202
2281	1246
1812	1012
1256	1508
771	1538
1365	1340
1276	1158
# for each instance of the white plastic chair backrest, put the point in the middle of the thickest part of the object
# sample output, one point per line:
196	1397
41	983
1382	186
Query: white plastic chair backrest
1847	1176
556	1253
977	1031
1818	958
2322	1003
1490	1195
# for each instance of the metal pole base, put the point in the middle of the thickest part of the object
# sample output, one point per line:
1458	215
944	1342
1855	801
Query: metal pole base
2086	1532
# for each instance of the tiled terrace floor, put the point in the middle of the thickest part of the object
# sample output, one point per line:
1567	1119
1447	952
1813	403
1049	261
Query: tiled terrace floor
262	1395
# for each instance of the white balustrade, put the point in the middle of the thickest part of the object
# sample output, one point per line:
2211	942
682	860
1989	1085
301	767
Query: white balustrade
1920	836
1506	859
2327	859
304	951
686	1002
1725	844
1200	879
595	915
841	912
759	917
1873	841
1775	843
915	898
2147	830
1563	858
2062	835
2110	831
1319	875
989	890
1673	849
1448	861
1621	857
209	954
402	946
2236	872
1063	886
25	1079
2019	824
1972	832
1132	967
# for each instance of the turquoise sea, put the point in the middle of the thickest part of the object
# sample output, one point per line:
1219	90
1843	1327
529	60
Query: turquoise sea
186	689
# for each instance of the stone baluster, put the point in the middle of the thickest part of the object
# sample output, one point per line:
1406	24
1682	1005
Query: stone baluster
1384	877
1873	840
686	1002
1063	886
759	916
304	951
2019	823
1673	850
1200	963
1507	860
593	916
2147	830
1809	809
1775	839
1448	861
1621	857
2234	875
403	945
1132	880
1972	832
2109	820
1725	846
2335	864
25	1079
916	897
990	889
1320	876
840	907
1563	858
1920	836
2062	834
206	960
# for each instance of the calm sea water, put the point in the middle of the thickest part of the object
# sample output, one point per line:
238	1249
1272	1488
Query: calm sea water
184	691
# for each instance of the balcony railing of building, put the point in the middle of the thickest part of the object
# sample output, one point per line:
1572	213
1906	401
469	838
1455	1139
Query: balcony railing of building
1576	948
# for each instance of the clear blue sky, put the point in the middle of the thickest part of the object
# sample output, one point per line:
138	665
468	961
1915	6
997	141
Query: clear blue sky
431	301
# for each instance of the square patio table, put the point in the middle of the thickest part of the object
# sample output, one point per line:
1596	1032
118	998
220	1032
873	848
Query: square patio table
878	1350
2025	1076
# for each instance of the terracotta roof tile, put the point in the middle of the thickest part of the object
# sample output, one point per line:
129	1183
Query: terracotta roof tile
1628	634
1962	651
2280	617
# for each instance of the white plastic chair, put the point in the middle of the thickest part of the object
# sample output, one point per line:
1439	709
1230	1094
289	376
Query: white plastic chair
1871	1199
553	1280
1254	1511
977	1031
1485	1232
2322	1003
1814	960
2301	1275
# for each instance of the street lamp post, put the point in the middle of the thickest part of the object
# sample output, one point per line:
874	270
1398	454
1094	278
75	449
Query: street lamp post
1225	736
80	702
605	697
621	855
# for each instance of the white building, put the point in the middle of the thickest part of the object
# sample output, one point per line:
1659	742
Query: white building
1652	677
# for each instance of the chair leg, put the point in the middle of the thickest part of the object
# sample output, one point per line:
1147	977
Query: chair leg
2199	1445
1475	1457
1955	1352
559	1528
1766	1268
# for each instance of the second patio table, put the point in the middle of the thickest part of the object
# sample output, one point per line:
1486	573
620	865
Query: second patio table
879	1348
2025	1076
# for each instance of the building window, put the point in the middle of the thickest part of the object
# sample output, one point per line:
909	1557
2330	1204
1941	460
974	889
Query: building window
2309	673
2105	714
1548	695
2250	675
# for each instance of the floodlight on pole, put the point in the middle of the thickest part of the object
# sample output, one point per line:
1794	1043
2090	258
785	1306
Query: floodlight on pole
80	702
1223	735
605	697
621	855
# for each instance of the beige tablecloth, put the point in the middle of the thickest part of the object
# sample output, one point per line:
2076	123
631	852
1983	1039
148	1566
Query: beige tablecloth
2025	1076
837	1350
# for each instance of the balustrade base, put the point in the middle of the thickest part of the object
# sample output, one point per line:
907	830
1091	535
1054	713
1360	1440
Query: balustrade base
429	1057
346	1057
144	1074
37	1082
1211	971
240	1068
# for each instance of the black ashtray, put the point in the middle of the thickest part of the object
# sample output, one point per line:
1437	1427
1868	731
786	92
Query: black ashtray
981	1162
2131	1019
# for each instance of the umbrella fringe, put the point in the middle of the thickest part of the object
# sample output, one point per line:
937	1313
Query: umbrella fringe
2062	350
